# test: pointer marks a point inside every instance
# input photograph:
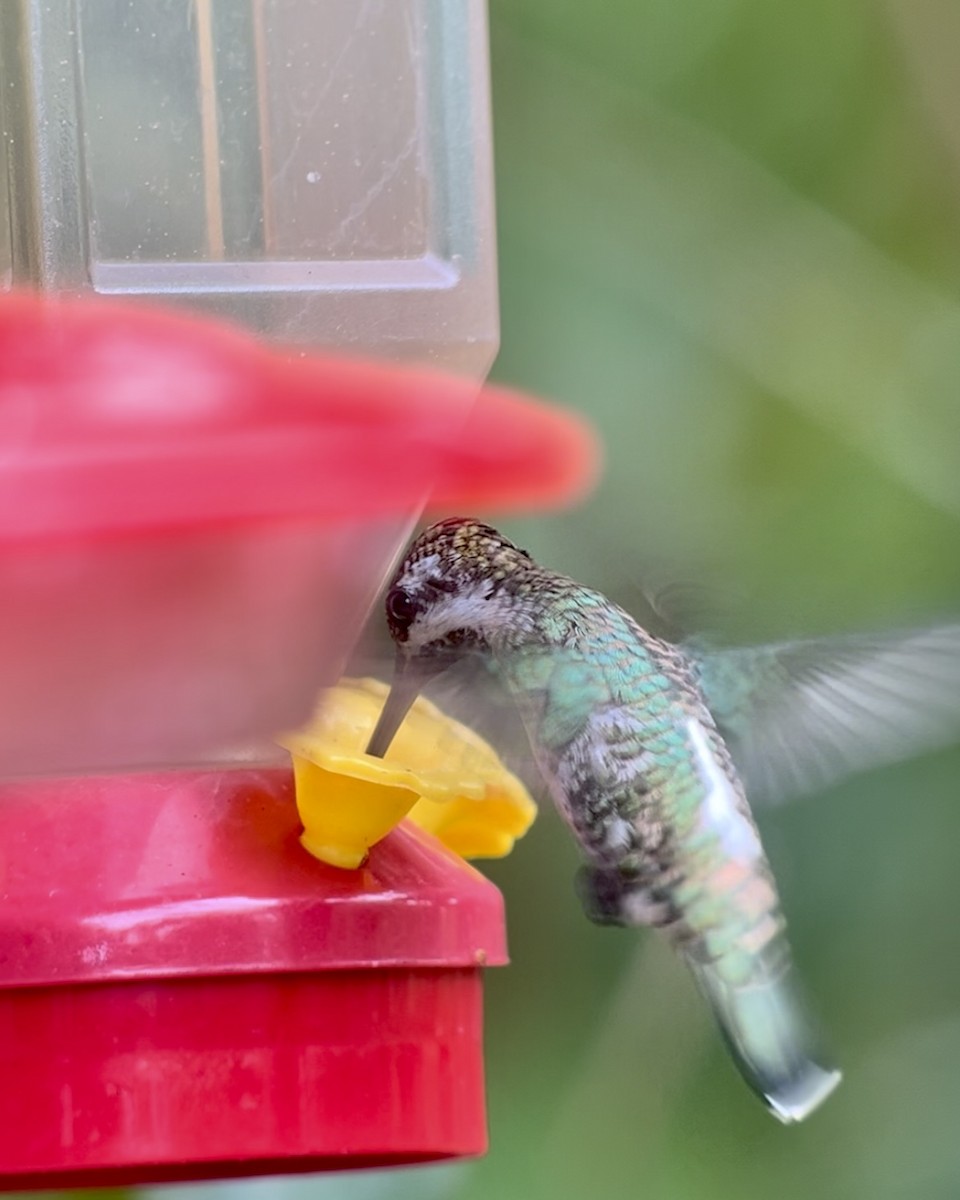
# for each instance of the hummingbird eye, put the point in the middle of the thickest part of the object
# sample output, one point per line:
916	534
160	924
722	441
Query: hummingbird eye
401	608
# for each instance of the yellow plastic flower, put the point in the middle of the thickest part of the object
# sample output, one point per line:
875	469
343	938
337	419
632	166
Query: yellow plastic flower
437	771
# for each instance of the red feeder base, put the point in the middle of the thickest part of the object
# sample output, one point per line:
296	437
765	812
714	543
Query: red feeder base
225	1005
206	1078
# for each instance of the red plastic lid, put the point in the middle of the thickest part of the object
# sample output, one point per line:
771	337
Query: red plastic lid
201	872
118	416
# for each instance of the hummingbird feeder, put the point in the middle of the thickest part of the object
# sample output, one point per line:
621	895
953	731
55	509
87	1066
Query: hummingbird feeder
184	991
193	525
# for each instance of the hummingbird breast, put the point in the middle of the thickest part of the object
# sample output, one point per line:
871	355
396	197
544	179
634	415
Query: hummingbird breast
634	762
660	814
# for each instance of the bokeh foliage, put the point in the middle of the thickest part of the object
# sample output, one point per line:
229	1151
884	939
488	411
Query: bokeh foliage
729	232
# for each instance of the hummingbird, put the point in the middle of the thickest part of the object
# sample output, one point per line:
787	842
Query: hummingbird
648	749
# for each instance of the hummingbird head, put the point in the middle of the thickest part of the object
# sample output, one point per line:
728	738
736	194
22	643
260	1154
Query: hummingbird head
459	582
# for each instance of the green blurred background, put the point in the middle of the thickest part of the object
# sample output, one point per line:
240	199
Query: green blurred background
730	233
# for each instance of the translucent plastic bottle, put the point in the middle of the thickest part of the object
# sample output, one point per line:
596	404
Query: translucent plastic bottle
317	169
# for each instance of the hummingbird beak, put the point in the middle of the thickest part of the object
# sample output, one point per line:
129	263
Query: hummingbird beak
410	676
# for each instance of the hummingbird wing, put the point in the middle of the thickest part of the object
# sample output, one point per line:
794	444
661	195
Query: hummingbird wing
799	716
683	606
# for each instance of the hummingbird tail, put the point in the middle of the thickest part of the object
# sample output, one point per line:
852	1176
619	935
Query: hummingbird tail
765	1025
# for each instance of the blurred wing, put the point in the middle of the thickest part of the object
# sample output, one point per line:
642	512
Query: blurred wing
471	693
800	716
467	691
683	606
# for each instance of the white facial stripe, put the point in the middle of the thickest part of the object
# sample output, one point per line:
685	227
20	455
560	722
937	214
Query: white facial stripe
467	608
440	612
419	572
